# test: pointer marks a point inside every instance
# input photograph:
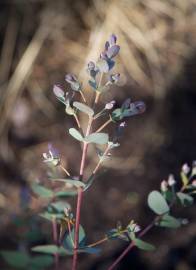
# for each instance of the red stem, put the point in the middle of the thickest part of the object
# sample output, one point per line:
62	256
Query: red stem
130	246
79	199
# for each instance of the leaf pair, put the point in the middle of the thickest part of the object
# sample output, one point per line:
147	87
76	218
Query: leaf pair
97	137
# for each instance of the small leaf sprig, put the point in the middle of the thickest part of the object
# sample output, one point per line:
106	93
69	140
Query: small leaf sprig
161	203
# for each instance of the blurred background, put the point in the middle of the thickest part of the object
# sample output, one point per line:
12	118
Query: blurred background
41	41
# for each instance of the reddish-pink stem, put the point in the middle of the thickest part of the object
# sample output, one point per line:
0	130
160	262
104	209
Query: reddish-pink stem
79	199
130	246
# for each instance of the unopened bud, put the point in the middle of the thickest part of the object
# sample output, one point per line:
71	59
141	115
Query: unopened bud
110	105
171	180
185	168
193	183
164	186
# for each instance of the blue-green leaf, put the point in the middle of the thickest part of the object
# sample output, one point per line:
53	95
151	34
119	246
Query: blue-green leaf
59	206
76	134
83	108
143	245
98	138
157	203
64	194
75	183
169	222
68	241
16	259
42	191
185	199
50	249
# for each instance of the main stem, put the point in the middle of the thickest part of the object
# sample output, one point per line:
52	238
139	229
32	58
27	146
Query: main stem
79	199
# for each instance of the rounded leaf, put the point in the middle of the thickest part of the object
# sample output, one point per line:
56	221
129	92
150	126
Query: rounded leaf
59	93
83	108
76	134
169	222
42	191
97	137
143	245
75	183
157	203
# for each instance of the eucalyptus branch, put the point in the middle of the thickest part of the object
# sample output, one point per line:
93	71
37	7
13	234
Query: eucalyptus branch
58	210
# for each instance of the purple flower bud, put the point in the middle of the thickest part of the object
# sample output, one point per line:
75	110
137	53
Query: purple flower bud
140	106
70	78
53	150
110	105
91	65
58	91
107	45
103	55
171	180
126	104
112	40
113	51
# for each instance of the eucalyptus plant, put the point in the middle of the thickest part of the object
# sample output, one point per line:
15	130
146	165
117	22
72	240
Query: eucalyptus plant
69	236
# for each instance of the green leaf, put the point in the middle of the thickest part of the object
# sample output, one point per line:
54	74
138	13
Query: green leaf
75	183
157	203
103	65
51	216
64	194
98	138
42	191
117	115
185	199
50	249
169	222
143	245
68	240
76	134
16	259
60	206
184	178
83	108
41	261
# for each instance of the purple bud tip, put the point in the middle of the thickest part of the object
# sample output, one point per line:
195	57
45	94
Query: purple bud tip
140	105
112	40
107	45
91	65
58	91
70	78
